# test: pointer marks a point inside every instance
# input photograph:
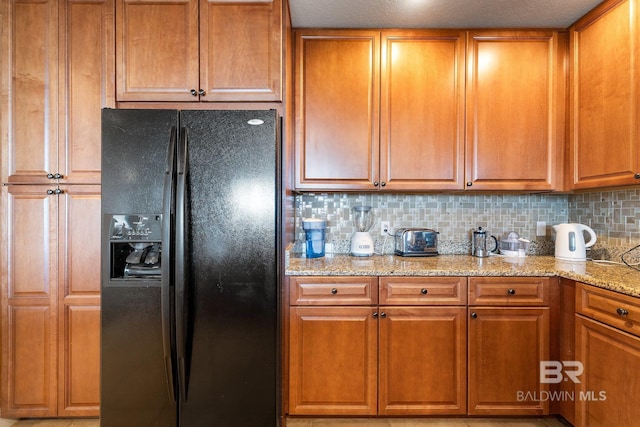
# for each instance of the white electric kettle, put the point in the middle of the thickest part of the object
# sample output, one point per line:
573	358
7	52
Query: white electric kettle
570	244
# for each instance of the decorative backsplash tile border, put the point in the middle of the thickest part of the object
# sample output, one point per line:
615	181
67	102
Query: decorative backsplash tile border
614	216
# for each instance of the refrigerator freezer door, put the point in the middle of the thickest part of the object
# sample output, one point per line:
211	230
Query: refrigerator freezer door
232	191
134	387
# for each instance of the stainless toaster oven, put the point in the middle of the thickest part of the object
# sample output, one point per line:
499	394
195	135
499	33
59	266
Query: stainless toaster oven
416	242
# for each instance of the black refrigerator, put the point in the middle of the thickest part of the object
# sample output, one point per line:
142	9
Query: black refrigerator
190	267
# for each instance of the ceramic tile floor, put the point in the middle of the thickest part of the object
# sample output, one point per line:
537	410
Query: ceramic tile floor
353	422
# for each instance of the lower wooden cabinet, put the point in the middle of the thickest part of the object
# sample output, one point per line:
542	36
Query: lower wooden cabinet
51	301
506	346
417	346
422	365
608	346
333	369
508	338
351	354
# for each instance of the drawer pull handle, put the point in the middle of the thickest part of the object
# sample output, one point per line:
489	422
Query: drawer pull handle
424	291
474	315
334	291
511	291
622	312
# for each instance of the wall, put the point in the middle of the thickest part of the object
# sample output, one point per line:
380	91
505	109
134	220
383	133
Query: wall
614	215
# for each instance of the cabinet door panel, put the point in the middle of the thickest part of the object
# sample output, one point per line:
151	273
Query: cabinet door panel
79	386
241	50
512	102
32	378
333	361
337	87
506	346
156	50
609	385
423	353
29	301
605	89
33	131
422	110
79	296
87	72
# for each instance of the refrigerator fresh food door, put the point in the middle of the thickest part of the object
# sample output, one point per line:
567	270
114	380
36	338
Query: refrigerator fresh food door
231	198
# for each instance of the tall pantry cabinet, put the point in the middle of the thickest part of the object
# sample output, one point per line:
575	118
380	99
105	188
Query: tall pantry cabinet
57	73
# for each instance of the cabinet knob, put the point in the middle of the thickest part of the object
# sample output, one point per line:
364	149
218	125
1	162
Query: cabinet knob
474	315
334	291
621	311
194	92
383	314
511	291
637	176
50	175
469	184
423	291
201	92
50	192
376	183
375	314
383	184
56	191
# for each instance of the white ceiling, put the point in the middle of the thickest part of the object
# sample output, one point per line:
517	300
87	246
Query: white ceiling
438	13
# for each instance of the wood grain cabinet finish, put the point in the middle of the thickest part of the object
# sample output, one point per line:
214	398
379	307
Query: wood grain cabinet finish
506	88
199	50
605	92
333	347
423	346
515	98
609	385
608	346
422	110
412	141
61	75
355	357
51	302
337	89
506	346
60	61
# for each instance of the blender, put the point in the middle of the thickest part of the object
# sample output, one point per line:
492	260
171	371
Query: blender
361	241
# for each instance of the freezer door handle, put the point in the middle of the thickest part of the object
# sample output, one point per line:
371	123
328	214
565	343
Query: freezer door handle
167	249
181	261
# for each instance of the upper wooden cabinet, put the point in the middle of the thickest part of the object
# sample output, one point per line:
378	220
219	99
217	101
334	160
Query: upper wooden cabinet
199	50
60	60
422	110
513	101
515	98
337	80
412	141
605	97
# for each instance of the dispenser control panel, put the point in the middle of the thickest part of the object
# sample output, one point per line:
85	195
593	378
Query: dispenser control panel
135	245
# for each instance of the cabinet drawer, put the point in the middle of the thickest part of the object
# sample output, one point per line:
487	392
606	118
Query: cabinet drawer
509	291
314	290
423	291
617	310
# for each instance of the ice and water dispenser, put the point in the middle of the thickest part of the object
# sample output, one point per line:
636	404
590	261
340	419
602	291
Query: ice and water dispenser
135	245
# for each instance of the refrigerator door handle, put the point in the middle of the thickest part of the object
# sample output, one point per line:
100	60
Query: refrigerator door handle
181	297
167	249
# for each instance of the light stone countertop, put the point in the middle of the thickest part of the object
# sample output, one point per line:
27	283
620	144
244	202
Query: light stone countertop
618	278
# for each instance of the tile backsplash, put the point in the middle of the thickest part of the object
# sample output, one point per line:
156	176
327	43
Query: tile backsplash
614	215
